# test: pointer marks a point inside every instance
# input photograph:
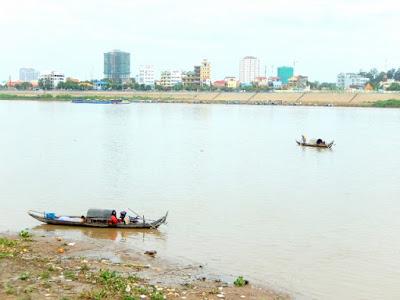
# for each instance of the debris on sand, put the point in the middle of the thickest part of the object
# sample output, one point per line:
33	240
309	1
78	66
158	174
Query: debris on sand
80	275
151	253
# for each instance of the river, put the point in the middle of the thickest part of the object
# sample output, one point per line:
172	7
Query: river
243	198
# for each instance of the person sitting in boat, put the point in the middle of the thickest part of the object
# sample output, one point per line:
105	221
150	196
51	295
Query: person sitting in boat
320	142
303	139
123	217
113	219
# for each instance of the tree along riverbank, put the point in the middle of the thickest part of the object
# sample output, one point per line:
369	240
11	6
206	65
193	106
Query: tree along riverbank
281	98
36	267
387	103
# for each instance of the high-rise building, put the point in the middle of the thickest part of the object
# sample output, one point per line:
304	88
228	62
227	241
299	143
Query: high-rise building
53	77
117	65
146	75
170	78
285	73
28	74
205	72
192	78
351	80
249	69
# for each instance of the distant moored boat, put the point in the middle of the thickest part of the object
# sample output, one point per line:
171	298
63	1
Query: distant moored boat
100	101
318	143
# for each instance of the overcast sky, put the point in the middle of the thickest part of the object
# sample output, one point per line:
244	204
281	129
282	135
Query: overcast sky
324	37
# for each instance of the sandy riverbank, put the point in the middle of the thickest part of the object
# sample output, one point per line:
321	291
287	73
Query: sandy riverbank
45	267
318	98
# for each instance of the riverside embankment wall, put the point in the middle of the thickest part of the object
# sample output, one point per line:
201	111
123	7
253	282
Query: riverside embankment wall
285	98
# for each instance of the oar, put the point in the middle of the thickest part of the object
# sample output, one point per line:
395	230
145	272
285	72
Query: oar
135	213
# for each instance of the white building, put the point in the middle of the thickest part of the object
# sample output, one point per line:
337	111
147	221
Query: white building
351	80
249	69
54	77
386	84
146	75
170	78
28	74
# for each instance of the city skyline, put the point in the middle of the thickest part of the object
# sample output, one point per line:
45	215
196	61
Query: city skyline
321	39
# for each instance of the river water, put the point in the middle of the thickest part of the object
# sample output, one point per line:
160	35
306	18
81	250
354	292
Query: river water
243	198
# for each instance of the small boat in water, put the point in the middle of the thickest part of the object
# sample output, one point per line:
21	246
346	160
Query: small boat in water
101	101
317	143
96	218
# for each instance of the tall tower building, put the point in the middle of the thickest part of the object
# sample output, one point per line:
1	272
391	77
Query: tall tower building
249	69
117	65
28	74
205	72
146	75
285	73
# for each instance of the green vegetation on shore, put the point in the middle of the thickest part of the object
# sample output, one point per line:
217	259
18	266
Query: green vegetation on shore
67	97
387	103
41	267
43	270
34	97
240	281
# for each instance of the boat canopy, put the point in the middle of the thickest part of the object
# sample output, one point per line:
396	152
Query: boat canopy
99	213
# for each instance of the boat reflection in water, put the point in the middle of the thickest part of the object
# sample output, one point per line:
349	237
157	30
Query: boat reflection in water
113	234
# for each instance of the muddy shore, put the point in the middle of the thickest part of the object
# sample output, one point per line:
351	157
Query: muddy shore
48	267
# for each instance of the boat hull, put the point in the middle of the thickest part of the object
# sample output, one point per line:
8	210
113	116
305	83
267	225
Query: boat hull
328	146
147	225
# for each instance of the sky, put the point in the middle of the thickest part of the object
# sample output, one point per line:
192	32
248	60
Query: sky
321	38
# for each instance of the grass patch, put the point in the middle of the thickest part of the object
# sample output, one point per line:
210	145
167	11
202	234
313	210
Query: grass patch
5	255
240	281
141	290
128	297
51	268
9	289
84	268
387	103
35	97
112	285
157	296
70	275
24	276
25	234
29	289
45	275
68	97
8	248
7	242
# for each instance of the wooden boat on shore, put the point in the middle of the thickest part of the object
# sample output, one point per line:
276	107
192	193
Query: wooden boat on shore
96	218
319	143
